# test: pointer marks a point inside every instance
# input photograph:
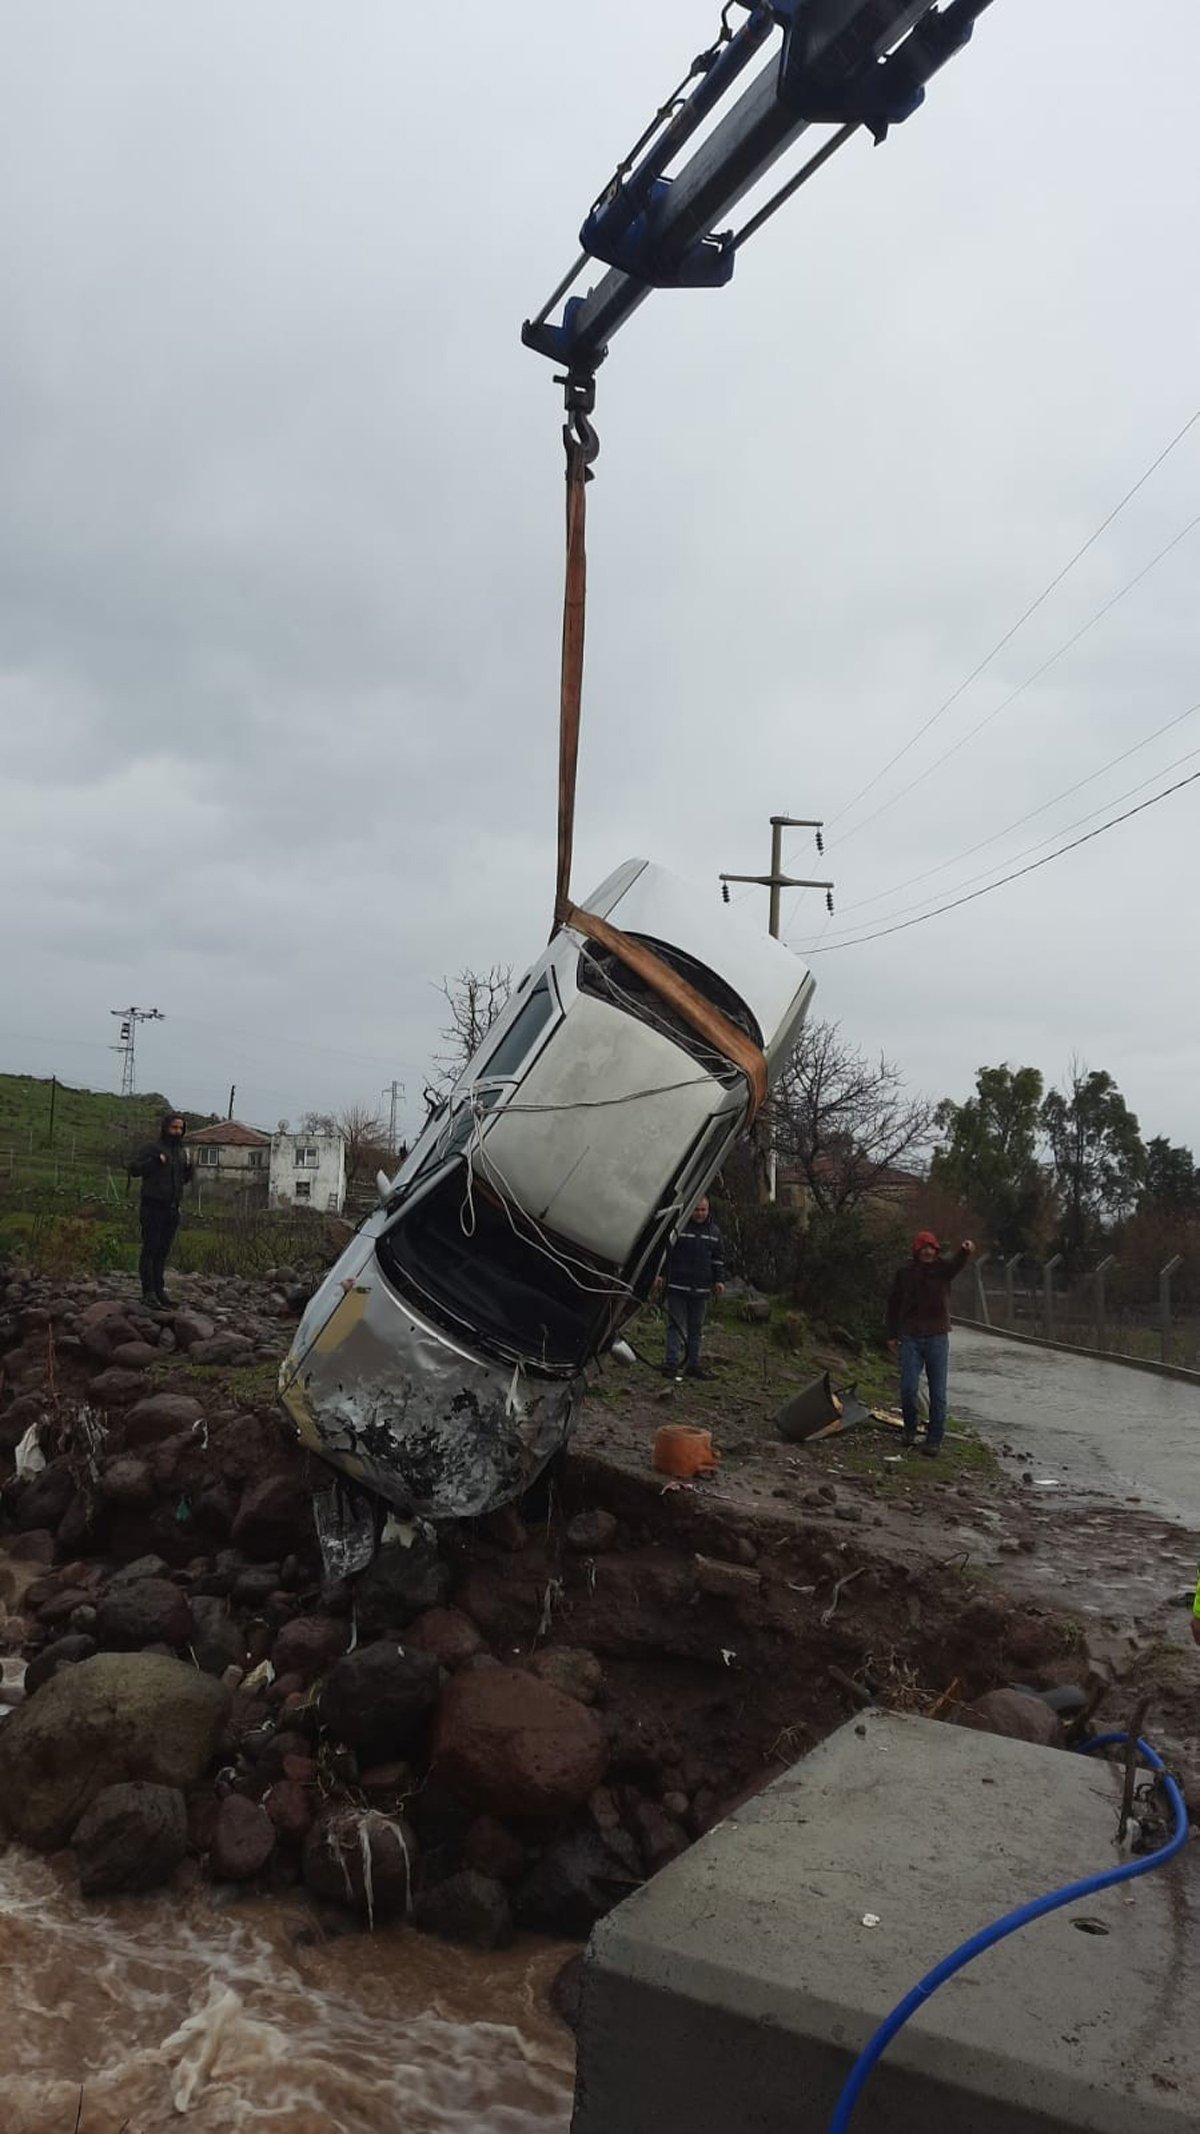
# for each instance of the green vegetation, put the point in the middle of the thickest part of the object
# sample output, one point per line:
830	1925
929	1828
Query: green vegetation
759	1363
65	1145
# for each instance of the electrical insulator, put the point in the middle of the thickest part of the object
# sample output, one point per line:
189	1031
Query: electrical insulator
829	902
820	842
725	896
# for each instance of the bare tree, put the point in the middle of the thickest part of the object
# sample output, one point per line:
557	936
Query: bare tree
364	1133
843	1120
474	999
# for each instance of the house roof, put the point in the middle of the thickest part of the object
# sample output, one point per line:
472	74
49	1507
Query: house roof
230	1133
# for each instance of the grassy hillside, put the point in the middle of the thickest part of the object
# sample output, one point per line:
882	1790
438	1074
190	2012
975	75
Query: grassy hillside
69	1140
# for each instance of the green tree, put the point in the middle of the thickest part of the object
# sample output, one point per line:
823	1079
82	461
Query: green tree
990	1154
1170	1181
1098	1157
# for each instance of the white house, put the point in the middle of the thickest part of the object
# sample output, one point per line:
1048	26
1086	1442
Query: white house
230	1163
308	1171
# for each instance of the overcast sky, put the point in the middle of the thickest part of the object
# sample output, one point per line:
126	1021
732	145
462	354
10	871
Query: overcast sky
281	523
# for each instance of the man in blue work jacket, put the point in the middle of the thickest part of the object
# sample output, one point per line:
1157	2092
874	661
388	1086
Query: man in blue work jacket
695	1272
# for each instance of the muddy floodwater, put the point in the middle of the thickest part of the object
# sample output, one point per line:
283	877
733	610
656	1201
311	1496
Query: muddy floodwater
175	2012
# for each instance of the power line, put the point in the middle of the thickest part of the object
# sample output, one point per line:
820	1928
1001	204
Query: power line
1021	820
1022	619
903	925
301	1044
1028	682
1064	829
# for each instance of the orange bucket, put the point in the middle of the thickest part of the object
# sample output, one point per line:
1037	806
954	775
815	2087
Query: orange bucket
682	1451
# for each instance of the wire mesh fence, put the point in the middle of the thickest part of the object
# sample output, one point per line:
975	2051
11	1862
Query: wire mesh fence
1153	1317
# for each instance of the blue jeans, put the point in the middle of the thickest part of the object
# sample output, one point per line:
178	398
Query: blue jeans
930	1353
685	1326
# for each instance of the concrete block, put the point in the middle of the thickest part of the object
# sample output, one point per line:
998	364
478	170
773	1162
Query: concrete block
732	1994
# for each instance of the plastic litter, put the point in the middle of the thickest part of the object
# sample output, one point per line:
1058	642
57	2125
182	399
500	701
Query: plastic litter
30	1458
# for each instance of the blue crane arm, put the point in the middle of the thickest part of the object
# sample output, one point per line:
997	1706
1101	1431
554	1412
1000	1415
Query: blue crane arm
846	63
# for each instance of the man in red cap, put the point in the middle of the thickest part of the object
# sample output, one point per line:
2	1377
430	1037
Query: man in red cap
918	1326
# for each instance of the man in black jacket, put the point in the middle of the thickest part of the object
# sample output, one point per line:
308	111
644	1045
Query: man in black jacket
695	1272
164	1169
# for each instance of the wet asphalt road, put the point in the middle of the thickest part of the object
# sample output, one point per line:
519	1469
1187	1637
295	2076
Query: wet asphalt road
1088	1424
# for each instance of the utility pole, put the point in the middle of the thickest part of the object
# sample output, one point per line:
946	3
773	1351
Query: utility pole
776	881
129	1019
232	1095
53	1101
394	1091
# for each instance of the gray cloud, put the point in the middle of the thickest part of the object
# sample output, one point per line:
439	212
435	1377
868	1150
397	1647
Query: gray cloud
280	528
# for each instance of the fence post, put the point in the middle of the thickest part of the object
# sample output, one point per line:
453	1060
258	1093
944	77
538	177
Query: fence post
1010	1307
1048	1292
1164	1304
981	1303
1100	1277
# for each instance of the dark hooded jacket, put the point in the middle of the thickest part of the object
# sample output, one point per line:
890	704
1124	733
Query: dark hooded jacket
919	1303
163	1182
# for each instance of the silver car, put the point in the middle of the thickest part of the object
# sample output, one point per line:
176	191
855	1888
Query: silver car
442	1359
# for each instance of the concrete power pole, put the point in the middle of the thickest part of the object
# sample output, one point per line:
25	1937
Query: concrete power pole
129	1019
776	881
394	1092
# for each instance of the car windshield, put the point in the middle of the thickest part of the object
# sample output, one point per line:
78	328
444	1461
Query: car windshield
501	1284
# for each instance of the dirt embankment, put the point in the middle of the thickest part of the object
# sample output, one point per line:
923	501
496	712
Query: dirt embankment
501	1726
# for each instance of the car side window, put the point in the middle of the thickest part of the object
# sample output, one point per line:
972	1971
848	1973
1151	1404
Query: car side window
521	1036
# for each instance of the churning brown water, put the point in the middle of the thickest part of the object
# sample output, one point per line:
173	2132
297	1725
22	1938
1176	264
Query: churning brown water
173	2012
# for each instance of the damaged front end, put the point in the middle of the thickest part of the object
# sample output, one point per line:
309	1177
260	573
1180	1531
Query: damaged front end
437	1431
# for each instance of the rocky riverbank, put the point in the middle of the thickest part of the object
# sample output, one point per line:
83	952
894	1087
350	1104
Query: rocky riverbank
500	1727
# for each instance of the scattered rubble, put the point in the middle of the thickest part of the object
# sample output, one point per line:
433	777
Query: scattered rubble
505	1726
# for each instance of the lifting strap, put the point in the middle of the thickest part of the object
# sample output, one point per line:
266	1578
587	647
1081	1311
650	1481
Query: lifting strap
582	446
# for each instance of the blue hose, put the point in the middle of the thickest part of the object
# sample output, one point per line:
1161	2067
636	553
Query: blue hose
987	1938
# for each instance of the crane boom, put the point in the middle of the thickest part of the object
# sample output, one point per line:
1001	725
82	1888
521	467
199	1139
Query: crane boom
846	63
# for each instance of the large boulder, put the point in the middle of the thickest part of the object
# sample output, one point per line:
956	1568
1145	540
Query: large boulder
466	1907
160	1416
217	1640
115	1717
115	1387
576	1673
243	1840
379	1698
511	1745
308	1645
190	1327
143	1611
127	1484
400	1583
1014	1714
356	1856
578	1879
133	1837
134	1355
222	1348
44	1500
448	1636
272	1518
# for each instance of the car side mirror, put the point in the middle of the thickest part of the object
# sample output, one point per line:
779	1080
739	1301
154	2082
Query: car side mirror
383	1187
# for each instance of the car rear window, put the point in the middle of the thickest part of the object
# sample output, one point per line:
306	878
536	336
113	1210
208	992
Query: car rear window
603	974
496	1282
